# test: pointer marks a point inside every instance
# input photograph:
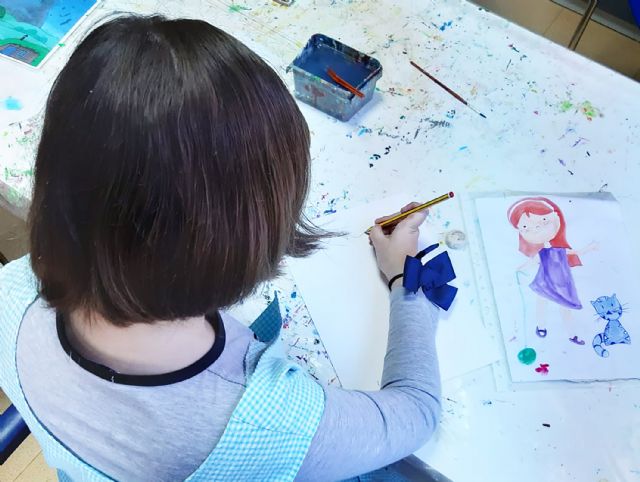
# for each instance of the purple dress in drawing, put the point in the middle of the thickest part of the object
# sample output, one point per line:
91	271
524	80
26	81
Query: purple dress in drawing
554	280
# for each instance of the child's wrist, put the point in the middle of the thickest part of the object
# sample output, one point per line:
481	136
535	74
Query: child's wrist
395	281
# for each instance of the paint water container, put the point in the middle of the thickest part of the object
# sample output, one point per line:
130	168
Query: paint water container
315	86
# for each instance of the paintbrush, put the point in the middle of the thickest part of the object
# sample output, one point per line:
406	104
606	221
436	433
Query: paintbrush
340	81
457	96
392	221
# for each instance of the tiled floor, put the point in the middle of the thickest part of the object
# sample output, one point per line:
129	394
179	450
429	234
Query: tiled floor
541	16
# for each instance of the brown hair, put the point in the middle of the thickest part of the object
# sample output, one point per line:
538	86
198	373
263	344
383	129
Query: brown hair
170	176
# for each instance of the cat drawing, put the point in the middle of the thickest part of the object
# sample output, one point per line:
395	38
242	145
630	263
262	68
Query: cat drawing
610	309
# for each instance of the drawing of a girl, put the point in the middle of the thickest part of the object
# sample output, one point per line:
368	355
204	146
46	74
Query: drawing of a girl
541	225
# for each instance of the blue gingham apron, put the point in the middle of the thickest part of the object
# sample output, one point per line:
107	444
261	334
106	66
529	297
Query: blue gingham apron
267	436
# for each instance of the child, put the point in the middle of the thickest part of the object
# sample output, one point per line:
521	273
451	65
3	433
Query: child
170	180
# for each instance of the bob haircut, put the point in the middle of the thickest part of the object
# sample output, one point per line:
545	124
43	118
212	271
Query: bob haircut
170	176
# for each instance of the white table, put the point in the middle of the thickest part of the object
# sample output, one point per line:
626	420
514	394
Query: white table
556	122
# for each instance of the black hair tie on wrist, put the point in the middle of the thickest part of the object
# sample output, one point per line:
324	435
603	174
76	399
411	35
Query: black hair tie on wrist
393	279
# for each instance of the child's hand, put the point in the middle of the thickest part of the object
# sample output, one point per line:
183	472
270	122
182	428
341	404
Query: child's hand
392	249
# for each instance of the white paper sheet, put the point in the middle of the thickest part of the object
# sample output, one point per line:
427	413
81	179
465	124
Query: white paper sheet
349	302
595	230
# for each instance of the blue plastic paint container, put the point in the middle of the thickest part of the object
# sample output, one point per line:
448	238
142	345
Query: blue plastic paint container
314	86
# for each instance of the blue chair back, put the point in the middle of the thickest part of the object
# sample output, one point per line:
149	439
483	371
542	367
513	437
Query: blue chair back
13	431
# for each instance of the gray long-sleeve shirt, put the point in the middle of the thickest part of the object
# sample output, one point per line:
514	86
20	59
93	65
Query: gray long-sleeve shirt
136	433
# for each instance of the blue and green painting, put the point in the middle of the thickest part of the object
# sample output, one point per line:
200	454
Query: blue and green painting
30	29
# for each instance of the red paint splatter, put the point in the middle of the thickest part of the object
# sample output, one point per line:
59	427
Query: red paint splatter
543	369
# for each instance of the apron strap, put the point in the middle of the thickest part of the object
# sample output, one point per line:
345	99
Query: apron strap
267	326
271	428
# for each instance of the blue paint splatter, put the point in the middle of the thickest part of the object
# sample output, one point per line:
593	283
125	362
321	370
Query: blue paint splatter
451	114
445	25
562	162
487	402
462	148
364	130
331	209
294	295
581	140
11	103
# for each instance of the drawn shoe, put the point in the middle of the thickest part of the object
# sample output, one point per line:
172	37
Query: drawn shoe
576	340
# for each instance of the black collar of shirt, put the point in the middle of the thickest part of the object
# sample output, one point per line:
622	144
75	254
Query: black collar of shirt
181	375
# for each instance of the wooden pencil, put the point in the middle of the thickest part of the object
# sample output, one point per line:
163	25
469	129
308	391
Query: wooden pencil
399	217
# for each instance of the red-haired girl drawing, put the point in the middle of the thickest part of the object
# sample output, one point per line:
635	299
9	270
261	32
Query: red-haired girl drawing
542	229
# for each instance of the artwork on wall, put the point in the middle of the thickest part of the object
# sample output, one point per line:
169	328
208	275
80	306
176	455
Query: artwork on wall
31	29
560	271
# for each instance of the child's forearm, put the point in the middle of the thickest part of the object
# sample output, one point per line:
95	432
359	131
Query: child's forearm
411	360
363	431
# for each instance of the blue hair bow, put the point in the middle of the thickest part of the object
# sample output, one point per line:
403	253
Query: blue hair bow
432	277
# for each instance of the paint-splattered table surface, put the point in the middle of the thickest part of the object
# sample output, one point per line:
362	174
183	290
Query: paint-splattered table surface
556	122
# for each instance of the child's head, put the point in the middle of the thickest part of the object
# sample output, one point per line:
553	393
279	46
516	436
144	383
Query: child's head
170	176
539	221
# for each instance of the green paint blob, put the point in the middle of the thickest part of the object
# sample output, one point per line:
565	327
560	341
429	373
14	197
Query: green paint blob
527	356
589	110
235	8
565	105
13	172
